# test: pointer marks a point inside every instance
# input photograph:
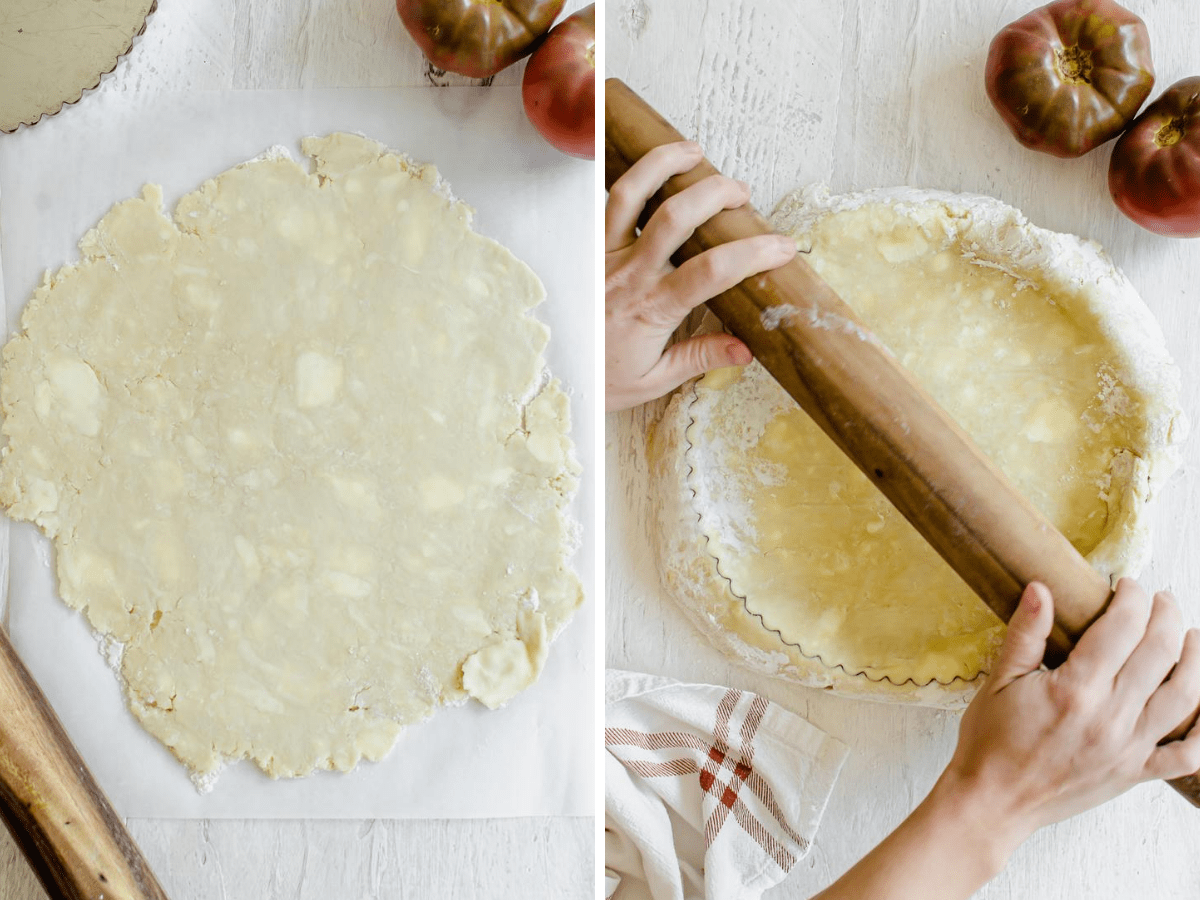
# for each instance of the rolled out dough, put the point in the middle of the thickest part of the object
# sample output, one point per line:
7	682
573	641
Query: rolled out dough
790	558
300	457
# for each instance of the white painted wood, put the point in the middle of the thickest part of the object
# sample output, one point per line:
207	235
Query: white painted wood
212	44
866	93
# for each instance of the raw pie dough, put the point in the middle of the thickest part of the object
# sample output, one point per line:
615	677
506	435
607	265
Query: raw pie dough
1031	340
51	50
299	456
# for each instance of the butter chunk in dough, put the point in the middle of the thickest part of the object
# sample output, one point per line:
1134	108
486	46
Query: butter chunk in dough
299	456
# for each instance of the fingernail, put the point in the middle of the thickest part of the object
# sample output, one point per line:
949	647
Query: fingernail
1032	599
740	355
691	146
786	247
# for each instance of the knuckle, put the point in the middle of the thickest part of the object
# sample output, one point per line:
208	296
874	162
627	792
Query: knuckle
621	194
1185	677
661	152
659	310
1064	694
1166	645
1190	679
711	266
730	189
697	354
648	315
624	308
671	151
617	287
621	318
700	355
1167	613
1099	735
1073	698
1191	757
671	214
1172	631
1181	758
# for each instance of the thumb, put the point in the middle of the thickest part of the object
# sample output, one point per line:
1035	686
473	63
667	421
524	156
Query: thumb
695	356
1025	644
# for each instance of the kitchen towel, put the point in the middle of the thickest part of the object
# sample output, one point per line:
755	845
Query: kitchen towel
710	792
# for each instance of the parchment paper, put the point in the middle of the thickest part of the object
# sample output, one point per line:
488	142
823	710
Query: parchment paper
534	757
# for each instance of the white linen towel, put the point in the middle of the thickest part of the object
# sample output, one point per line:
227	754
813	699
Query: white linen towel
709	792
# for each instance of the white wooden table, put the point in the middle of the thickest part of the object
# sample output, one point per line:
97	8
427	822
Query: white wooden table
216	44
866	93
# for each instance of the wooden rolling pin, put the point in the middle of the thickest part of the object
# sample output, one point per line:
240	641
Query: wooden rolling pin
922	461
56	812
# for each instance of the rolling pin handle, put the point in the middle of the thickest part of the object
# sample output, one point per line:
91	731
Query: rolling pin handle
73	838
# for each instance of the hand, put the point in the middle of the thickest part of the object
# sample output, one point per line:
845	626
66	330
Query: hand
646	299
1037	746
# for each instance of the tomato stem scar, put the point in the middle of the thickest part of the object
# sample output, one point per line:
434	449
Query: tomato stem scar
1074	64
1169	134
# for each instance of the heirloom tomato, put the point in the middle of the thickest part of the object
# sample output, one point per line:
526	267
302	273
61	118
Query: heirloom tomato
477	38
1071	75
559	88
1154	173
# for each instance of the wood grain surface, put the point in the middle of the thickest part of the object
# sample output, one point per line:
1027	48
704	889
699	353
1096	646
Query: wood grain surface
215	44
869	93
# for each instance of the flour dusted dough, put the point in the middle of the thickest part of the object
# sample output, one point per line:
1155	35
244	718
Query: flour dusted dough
299	456
1031	340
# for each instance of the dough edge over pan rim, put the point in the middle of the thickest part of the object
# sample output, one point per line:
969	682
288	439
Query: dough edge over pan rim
688	572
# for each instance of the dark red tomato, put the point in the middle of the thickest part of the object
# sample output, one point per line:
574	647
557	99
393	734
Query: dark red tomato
559	88
477	38
1071	75
1154	173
